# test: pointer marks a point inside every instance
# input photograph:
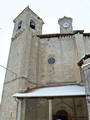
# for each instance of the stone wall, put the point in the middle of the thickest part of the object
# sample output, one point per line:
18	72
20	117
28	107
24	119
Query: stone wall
64	70
18	76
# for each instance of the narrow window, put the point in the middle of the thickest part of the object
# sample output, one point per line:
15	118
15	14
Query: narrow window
19	25
32	24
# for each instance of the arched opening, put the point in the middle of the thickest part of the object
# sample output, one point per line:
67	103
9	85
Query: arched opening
61	115
32	24
20	25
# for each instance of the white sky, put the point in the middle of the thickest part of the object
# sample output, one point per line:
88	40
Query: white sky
49	10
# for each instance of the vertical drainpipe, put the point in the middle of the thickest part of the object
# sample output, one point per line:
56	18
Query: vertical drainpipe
18	109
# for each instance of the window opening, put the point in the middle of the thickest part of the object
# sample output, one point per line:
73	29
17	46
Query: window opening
19	25
32	24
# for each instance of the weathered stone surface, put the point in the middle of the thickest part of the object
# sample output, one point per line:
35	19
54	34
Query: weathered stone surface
28	59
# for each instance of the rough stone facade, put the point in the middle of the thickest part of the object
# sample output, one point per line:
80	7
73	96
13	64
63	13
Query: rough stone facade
28	59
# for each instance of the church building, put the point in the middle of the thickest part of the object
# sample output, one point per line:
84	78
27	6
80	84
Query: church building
48	75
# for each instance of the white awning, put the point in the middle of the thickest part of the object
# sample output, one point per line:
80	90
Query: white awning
57	91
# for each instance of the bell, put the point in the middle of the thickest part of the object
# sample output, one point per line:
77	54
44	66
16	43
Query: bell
32	25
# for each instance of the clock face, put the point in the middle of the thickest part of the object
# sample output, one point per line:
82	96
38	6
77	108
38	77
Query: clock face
66	25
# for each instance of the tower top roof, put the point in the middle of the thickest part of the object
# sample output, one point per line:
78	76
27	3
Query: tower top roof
28	9
60	19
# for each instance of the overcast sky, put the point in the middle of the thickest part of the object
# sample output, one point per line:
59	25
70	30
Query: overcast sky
49	10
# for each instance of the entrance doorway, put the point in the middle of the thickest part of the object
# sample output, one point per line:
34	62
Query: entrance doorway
61	118
61	115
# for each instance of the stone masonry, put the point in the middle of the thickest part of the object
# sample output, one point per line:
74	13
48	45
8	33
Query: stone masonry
28	59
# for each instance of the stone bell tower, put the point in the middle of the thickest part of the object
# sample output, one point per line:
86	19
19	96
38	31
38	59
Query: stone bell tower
22	61
65	25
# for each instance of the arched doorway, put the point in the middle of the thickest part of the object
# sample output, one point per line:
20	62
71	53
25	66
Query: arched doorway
61	115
